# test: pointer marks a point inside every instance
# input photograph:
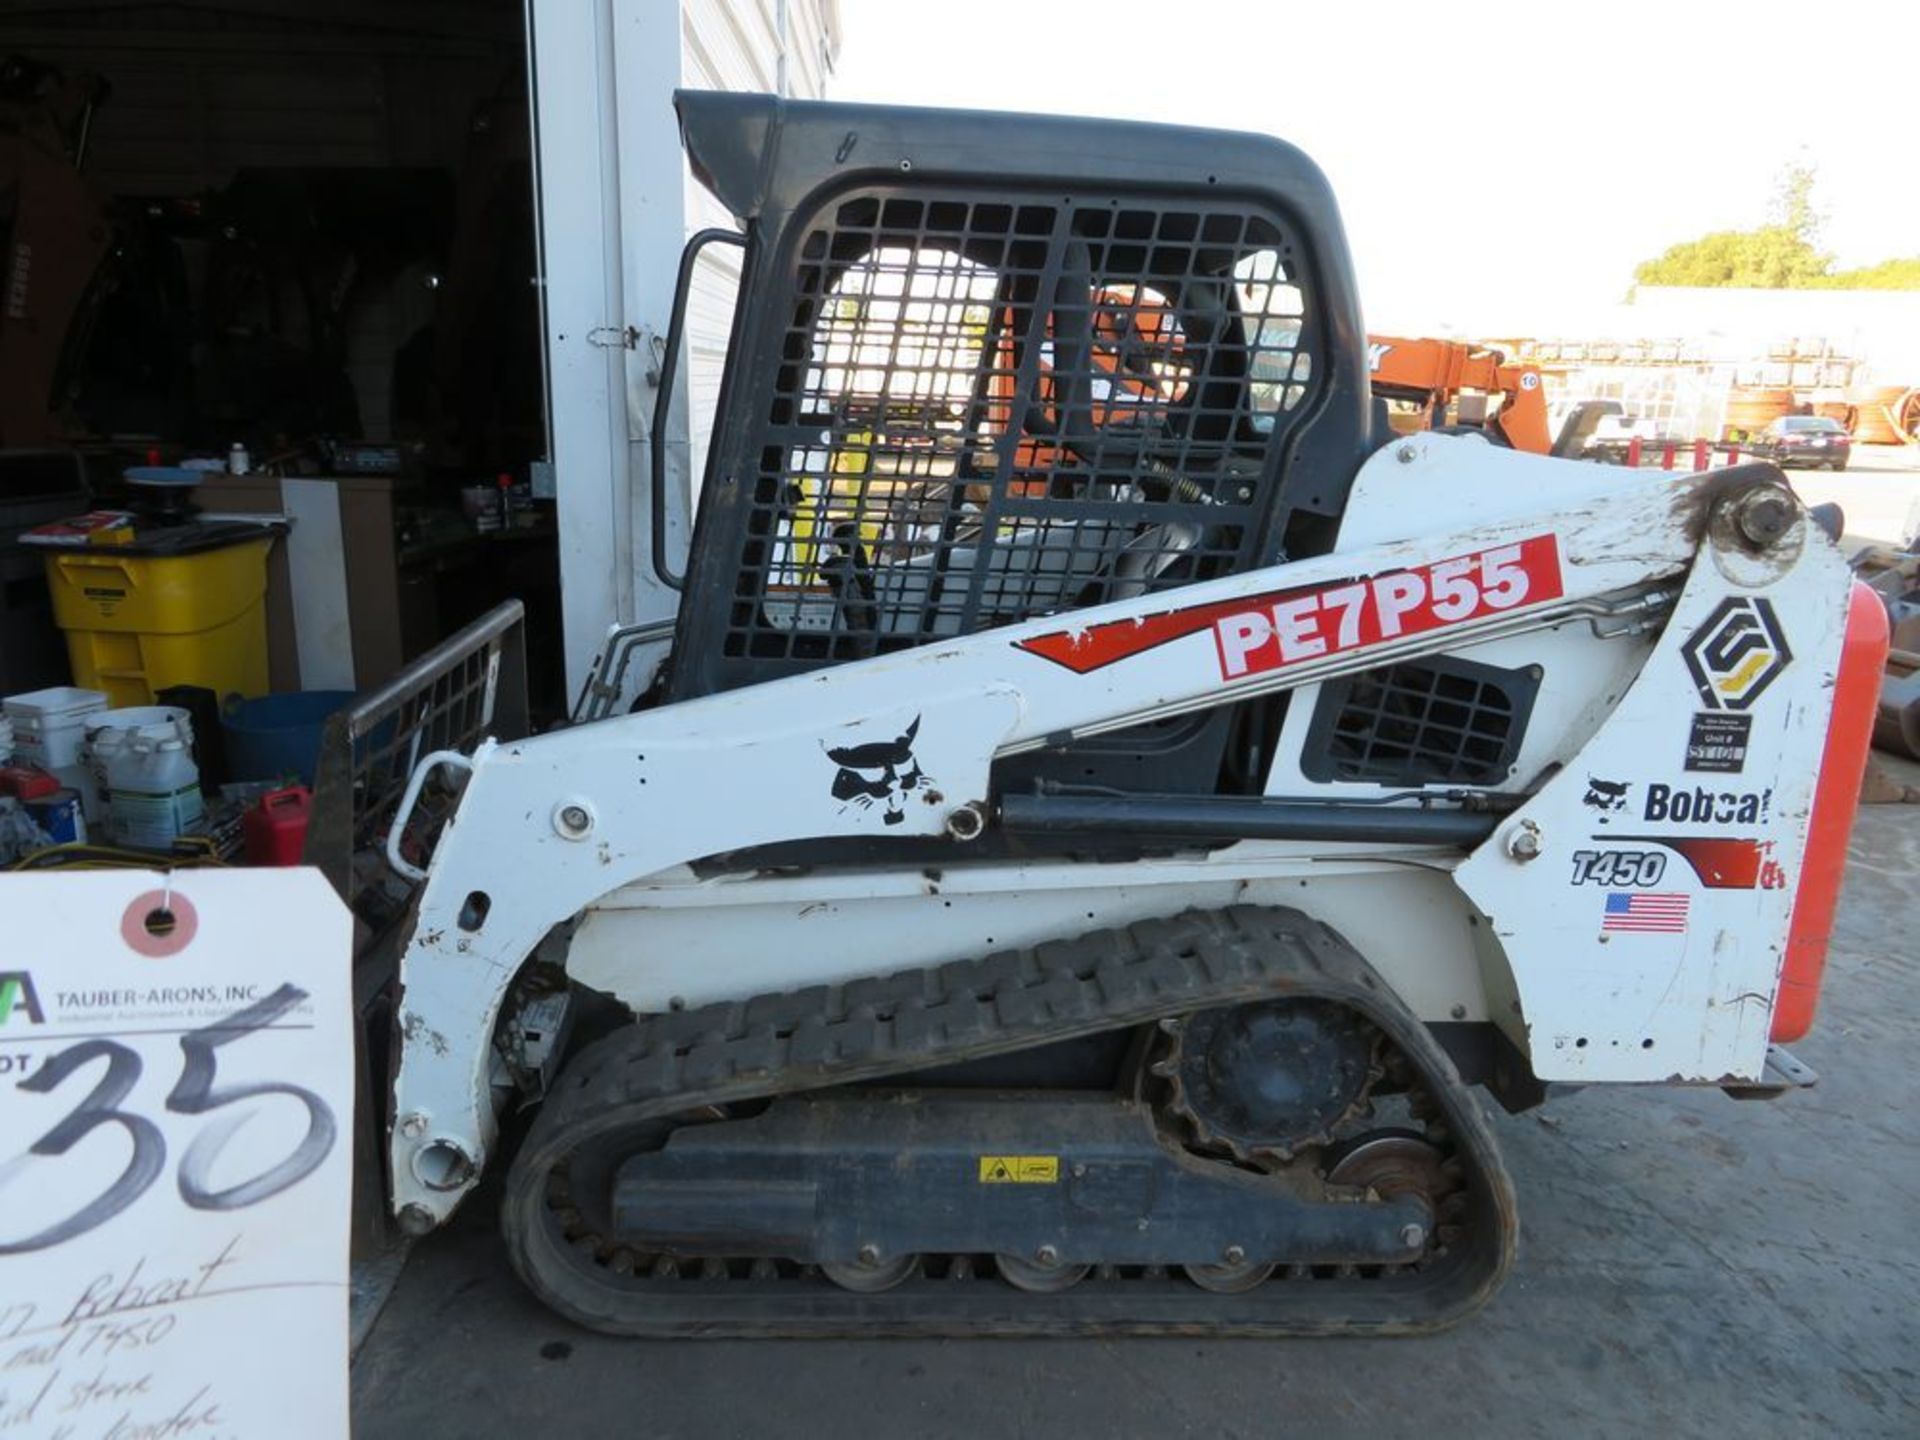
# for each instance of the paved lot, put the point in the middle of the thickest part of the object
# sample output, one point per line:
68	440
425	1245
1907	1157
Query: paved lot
1689	1266
1879	491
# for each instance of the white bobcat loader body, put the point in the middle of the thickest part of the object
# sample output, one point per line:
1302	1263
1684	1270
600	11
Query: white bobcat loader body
1605	878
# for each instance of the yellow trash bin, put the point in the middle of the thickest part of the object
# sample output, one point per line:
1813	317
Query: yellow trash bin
138	619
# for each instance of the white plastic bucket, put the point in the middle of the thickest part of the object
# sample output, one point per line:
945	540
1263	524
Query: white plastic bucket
62	702
49	733
141	762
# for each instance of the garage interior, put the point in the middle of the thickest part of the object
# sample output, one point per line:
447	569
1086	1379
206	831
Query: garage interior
303	233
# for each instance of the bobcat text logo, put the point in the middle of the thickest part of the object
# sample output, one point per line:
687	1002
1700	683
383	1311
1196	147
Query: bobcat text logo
1719	807
17	997
1737	653
880	772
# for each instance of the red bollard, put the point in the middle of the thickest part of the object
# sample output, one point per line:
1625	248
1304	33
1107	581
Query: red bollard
1666	456
1633	451
1733	456
1700	455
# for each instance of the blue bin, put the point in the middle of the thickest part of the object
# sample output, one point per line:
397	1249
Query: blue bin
278	736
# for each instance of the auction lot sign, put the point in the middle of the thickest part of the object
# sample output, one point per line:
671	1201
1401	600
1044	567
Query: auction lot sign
176	1098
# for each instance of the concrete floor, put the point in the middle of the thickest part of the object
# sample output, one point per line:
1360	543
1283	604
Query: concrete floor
1879	491
1689	1266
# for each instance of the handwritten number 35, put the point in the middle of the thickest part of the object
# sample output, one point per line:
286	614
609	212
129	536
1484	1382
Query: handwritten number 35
193	1094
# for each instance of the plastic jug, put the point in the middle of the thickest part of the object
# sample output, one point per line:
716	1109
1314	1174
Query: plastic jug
146	754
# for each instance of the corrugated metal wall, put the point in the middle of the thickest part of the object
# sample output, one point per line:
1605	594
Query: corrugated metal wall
781	46
201	90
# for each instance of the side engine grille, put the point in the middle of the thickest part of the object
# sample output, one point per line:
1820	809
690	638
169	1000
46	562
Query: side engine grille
1435	721
986	409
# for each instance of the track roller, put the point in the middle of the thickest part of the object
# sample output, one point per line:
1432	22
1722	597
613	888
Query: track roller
1230	1277
870	1277
1039	1276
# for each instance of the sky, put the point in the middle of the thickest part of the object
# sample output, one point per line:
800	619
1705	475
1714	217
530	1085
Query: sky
1499	174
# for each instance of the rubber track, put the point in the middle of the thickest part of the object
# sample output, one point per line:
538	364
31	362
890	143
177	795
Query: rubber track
866	1029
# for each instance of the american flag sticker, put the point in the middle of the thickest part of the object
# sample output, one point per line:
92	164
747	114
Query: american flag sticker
1634	911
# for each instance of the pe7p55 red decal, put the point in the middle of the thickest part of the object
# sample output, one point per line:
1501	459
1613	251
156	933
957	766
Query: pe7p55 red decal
1263	633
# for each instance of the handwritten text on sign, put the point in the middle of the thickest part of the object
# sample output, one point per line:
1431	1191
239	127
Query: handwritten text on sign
174	1093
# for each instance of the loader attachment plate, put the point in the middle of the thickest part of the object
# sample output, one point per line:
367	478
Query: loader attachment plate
579	1174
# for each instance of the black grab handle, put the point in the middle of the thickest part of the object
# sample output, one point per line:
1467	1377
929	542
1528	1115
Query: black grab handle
663	401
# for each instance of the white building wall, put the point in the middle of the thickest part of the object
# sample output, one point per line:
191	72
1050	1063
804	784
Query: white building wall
617	202
782	47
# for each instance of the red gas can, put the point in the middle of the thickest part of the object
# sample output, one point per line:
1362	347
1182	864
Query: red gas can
26	783
276	827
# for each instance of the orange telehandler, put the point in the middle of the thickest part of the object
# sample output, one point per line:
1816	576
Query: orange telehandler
1438	375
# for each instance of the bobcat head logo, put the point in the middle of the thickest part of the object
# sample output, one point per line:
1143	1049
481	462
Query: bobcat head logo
1606	795
879	773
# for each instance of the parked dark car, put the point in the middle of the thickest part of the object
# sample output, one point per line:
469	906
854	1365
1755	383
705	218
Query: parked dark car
1810	440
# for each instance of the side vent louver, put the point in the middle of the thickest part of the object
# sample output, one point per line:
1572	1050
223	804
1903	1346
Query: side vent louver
1432	722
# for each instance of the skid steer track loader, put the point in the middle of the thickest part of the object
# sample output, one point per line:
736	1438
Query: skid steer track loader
1106	802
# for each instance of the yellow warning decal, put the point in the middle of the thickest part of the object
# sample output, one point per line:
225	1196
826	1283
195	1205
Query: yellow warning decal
1019	1169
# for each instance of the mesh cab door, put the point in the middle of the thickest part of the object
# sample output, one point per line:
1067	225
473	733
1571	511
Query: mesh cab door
964	396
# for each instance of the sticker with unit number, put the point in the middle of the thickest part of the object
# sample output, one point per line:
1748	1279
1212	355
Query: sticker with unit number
1717	742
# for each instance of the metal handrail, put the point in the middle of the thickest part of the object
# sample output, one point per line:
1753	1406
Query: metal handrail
411	797
470	686
607	680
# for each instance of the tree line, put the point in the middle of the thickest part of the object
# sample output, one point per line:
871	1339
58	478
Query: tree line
1783	254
